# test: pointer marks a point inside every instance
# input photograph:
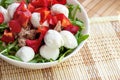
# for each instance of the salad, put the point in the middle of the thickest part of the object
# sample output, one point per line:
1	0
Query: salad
39	31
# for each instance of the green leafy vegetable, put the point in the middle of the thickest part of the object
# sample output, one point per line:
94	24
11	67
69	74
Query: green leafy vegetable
80	37
5	3
39	59
78	23
9	47
70	8
3	27
73	10
65	54
14	57
27	1
1	46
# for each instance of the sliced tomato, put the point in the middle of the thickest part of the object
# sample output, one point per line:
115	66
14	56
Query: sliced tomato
14	26
1	18
73	29
7	37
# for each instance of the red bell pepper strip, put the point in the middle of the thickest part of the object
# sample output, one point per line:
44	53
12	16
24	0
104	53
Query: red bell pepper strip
39	3
14	26
1	18
35	44
22	15
52	20
64	20
31	8
7	37
73	29
62	1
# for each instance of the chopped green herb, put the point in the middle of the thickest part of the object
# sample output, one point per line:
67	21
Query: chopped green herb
80	37
14	57
65	54
6	3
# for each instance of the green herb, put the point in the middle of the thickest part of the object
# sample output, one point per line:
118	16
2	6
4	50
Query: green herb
9	47
78	23
39	59
27	1
70	8
14	57
73	11
80	37
5	3
65	54
3	27
1	46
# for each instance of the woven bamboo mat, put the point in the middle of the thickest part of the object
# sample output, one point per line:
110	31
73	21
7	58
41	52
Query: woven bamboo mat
99	59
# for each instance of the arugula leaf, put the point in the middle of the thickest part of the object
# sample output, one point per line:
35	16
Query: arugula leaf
78	23
70	8
14	57
75	11
27	1
6	3
65	54
1	46
39	59
3	27
9	47
80	37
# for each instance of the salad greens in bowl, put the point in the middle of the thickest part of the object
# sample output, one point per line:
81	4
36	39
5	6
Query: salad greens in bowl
37	34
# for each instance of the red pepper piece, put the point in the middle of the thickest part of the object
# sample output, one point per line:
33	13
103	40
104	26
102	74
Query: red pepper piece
14	26
64	20
22	15
35	44
52	20
39	3
44	16
1	18
24	18
44	13
31	8
62	2
7	37
39	10
73	29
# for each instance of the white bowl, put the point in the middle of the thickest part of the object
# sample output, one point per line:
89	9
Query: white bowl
83	16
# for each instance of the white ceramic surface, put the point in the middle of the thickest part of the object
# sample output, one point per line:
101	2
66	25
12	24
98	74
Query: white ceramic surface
83	16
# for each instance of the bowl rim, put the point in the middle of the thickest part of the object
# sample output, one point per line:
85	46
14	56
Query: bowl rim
65	58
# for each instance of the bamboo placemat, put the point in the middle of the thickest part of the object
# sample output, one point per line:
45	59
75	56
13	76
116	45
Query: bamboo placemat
99	59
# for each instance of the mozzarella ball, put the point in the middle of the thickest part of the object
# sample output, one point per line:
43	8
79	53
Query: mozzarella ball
12	8
25	53
5	14
35	19
59	8
53	39
49	53
69	39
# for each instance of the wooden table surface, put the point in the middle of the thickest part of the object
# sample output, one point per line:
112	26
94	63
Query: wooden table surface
98	8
